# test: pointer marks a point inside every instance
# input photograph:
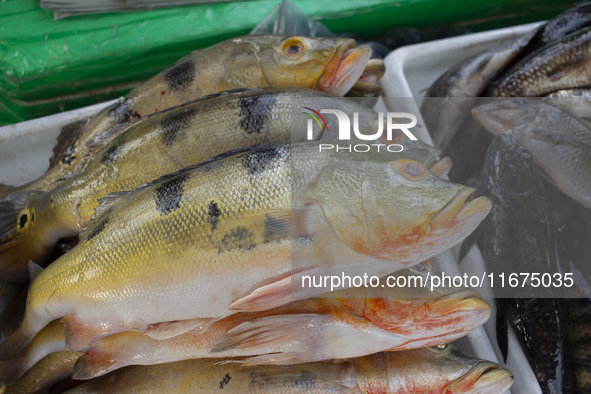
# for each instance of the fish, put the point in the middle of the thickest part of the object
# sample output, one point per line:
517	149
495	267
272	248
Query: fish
571	20
331	65
564	64
49	371
230	220
49	340
518	237
449	99
559	142
32	222
575	101
433	370
379	319
372	320
574	252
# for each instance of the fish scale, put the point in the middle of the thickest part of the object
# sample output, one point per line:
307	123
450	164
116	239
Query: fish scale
563	64
432	370
121	279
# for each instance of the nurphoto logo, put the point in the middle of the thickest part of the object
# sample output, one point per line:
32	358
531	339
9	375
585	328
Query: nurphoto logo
345	130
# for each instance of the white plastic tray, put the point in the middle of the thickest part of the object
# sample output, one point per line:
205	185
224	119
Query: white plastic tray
410	71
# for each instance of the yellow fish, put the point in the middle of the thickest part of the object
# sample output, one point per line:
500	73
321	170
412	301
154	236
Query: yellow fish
231	234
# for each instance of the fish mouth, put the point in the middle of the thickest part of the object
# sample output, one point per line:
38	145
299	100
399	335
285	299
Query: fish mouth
440	167
367	85
462	214
461	301
345	68
485	378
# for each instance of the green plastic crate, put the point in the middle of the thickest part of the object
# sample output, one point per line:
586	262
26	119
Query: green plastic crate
48	66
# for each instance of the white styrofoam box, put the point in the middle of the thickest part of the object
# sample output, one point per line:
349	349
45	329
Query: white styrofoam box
410	71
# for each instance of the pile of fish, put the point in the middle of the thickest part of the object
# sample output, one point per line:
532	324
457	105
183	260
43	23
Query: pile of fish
515	121
198	204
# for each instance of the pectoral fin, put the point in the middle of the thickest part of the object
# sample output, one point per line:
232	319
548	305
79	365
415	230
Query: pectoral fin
165	330
289	339
266	297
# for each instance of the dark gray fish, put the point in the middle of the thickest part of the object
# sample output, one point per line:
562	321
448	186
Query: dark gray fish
571	20
564	64
575	101
573	250
518	237
461	85
559	141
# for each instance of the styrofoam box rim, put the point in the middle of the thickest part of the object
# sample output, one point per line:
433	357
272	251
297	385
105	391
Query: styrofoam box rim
406	68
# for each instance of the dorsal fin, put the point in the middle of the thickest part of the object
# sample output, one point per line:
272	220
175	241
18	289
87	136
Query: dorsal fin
204	163
68	134
34	270
104	137
104	204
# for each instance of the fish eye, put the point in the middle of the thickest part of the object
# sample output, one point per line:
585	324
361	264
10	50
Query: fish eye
423	268
412	170
444	347
293	48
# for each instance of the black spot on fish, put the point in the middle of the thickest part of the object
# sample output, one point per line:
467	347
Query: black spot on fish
254	112
275	229
213	213
122	112
259	160
169	194
305	380
22	221
68	158
97	229
180	76
225	381
238	238
33	217
110	154
175	123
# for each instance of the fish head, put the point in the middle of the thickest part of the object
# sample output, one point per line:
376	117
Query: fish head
501	116
327	64
441	369
398	210
423	315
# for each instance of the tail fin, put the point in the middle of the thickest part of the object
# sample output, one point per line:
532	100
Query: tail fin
17	243
95	363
